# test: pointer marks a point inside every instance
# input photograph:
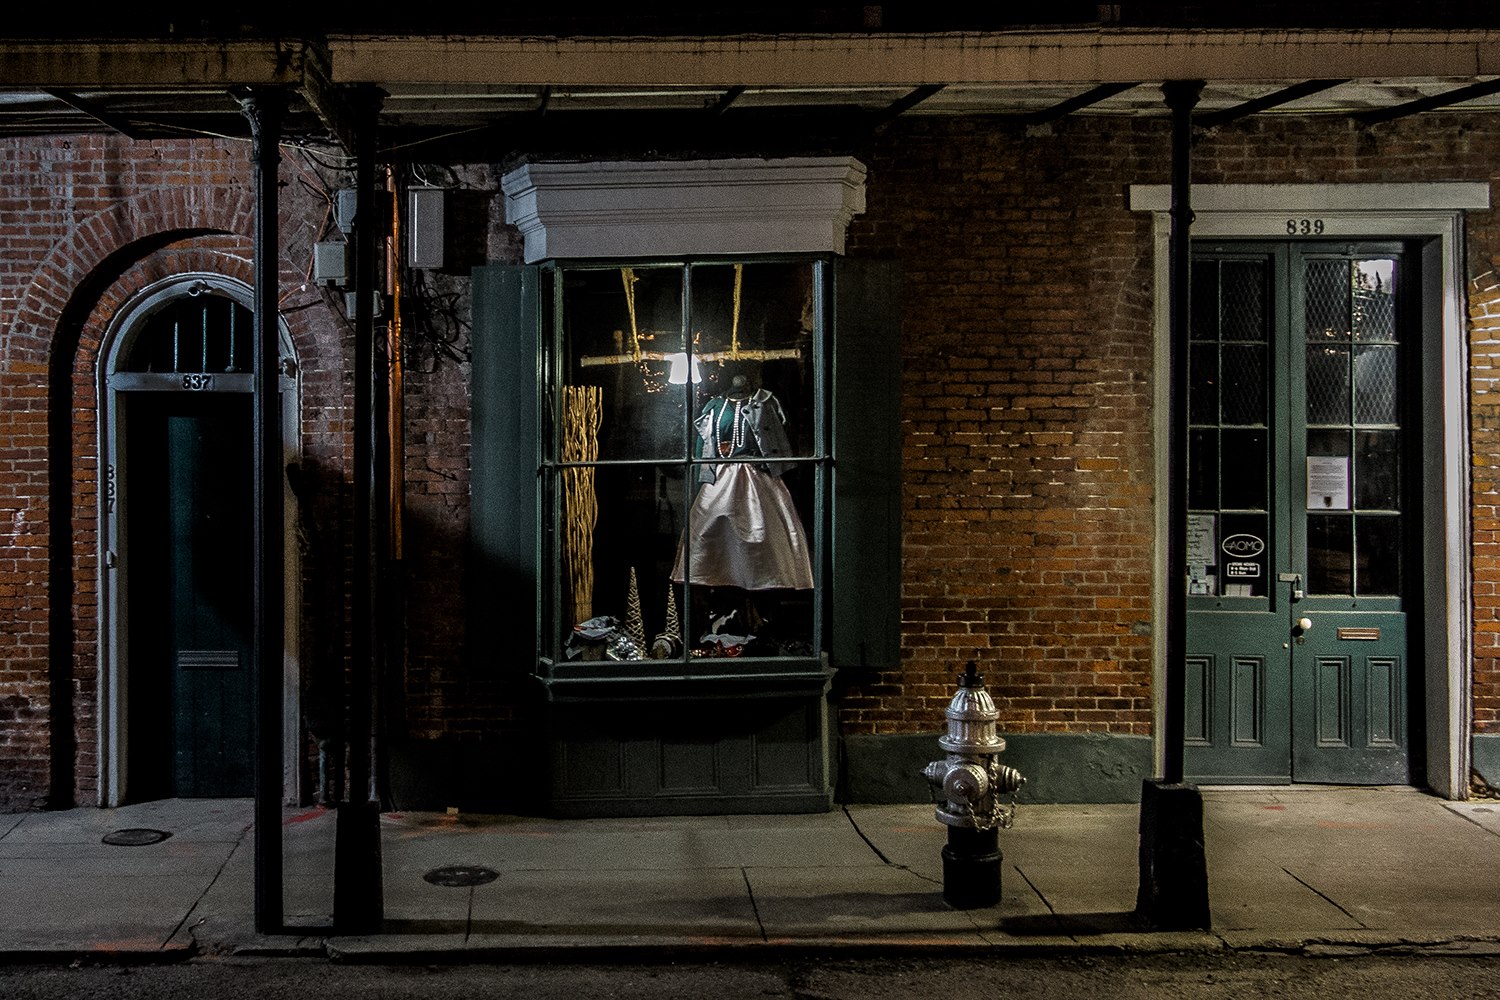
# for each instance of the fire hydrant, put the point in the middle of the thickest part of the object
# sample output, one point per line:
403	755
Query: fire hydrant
973	782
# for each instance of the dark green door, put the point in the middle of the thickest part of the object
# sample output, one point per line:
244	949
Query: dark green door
189	552
1300	451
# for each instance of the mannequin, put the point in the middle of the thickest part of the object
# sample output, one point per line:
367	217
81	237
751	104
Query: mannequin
743	529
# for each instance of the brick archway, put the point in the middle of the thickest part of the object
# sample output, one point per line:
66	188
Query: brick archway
54	342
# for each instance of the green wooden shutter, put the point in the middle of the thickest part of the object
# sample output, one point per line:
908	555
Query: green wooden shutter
866	513
505	455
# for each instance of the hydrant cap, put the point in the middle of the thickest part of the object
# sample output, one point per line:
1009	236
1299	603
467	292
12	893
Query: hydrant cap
972	705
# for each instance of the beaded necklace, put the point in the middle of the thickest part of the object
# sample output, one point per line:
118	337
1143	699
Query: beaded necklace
736	440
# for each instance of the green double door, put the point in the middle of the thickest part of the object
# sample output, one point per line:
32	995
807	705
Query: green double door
1303	451
188	496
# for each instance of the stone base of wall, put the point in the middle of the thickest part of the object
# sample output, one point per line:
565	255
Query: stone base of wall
1059	767
1486	760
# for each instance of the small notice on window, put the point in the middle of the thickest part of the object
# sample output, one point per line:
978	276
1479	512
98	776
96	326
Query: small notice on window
1327	482
1200	538
1200	554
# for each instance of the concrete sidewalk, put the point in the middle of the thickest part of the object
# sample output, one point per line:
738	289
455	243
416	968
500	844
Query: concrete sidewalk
1289	868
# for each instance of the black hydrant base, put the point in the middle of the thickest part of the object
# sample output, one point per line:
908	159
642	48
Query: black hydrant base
971	868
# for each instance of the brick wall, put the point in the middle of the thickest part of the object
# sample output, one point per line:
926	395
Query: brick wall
441	694
1027	410
85	223
1027	436
1027	395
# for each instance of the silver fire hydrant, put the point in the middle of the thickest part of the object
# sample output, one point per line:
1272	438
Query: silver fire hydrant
974	784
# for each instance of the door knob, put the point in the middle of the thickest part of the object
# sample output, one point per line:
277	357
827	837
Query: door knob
1303	625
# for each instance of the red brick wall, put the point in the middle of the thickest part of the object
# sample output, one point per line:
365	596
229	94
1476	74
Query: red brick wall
85	222
1027	395
1484	359
441	694
1027	423
1027	407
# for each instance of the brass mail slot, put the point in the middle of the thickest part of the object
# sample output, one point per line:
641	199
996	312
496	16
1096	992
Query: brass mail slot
1368	634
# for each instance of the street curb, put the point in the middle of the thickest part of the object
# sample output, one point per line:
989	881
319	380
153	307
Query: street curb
442	950
97	956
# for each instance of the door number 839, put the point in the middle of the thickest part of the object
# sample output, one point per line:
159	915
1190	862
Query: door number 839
1304	227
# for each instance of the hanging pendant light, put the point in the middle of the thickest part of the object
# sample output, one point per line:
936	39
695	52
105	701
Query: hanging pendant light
680	370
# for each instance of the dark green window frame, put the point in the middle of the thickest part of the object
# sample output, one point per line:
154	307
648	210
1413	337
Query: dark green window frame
857	467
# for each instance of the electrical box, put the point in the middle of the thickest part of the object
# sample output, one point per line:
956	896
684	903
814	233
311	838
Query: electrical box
351	302
344	202
425	227
331	264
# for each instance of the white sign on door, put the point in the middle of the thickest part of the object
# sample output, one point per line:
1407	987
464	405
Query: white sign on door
1327	482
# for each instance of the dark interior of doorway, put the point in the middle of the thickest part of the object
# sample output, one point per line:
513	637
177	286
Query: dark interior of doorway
187	495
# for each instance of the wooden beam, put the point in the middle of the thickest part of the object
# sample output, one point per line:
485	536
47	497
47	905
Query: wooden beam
729	97
101	115
893	59
325	98
903	104
1086	99
1275	99
1432	103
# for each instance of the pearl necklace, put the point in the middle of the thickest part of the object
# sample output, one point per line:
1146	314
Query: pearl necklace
736	432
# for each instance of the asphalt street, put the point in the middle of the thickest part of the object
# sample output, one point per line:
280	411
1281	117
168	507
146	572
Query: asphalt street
1191	976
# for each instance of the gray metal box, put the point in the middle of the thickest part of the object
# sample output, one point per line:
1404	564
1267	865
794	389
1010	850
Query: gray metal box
331	264
425	227
345	202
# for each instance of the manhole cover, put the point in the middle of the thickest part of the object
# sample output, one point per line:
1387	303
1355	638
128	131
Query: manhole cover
135	837
458	876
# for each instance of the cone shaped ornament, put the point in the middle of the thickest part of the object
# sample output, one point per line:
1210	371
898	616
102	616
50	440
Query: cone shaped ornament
669	641
634	627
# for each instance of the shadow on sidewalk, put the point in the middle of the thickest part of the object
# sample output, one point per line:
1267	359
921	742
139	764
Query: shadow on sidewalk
1073	924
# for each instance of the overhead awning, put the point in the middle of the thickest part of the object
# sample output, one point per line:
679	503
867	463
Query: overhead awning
833	86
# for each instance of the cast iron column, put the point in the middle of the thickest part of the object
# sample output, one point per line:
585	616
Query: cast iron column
1182	97
358	899
1173	890
264	108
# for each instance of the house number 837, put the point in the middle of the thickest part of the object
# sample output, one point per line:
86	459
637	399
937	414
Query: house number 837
1304	227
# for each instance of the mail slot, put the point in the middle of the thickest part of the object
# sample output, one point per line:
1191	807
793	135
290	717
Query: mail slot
1359	634
208	659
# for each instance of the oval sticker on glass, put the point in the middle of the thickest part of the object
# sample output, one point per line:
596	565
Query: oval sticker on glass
1243	546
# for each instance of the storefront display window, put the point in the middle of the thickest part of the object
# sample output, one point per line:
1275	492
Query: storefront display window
683	464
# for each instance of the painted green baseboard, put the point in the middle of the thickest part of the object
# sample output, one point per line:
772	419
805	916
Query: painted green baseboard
1486	757
1059	767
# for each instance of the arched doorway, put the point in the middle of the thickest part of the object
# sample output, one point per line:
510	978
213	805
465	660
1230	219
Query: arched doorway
177	689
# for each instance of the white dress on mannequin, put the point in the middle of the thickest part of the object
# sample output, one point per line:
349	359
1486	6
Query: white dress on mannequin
743	529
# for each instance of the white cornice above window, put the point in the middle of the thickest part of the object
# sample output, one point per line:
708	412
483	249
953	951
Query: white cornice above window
684	208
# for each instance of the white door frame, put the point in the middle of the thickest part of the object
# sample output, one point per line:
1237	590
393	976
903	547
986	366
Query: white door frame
113	690
1431	214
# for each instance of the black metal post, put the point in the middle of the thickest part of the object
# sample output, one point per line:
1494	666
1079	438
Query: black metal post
264	108
1173	891
358	898
1181	97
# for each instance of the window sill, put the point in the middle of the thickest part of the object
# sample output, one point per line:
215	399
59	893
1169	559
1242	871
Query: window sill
707	677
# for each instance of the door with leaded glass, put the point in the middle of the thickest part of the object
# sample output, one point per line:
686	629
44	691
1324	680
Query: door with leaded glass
1301	464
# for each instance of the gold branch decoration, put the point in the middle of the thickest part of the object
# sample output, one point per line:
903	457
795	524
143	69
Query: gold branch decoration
582	414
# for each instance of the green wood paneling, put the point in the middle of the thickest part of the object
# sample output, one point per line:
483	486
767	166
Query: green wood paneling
505	386
865	514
